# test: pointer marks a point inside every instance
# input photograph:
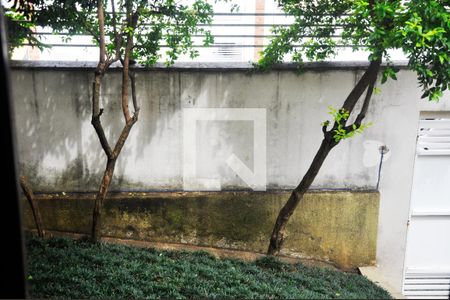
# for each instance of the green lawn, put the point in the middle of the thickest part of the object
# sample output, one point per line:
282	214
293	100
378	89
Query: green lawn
65	268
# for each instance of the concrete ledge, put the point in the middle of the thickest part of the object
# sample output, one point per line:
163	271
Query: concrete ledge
200	66
374	275
335	227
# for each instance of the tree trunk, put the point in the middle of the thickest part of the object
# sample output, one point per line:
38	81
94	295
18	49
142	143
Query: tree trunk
278	233
100	199
367	81
103	65
33	204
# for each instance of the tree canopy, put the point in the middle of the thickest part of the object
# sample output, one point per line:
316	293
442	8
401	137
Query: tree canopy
157	23
421	28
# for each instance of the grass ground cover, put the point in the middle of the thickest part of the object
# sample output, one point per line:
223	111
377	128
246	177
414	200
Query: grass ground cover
66	268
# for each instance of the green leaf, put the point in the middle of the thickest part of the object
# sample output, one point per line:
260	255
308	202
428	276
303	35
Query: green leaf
376	90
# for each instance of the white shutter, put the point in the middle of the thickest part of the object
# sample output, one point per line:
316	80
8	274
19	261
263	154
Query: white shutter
427	262
426	285
434	137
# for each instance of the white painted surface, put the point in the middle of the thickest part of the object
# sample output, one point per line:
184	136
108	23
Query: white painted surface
427	260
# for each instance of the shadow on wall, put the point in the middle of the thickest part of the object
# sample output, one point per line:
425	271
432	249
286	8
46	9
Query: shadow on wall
58	147
59	150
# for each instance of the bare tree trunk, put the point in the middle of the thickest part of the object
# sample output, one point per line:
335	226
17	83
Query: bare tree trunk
102	66
100	199
33	204
367	81
130	120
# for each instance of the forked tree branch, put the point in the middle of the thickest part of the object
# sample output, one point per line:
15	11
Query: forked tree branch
365	106
99	72
101	135
124	135
367	81
363	83
127	76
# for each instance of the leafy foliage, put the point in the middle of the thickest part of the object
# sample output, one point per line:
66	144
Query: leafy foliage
421	28
159	22
63	268
339	117
19	30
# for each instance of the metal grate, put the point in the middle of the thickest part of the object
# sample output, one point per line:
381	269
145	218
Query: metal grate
237	37
240	26
227	51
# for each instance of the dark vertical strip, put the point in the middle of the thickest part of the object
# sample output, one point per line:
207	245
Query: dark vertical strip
12	266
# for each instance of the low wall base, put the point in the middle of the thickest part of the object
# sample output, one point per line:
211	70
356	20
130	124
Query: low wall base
337	227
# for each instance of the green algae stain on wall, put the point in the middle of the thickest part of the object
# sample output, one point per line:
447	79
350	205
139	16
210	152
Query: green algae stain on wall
339	227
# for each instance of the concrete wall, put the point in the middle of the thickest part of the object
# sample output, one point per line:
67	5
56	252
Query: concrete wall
335	227
59	150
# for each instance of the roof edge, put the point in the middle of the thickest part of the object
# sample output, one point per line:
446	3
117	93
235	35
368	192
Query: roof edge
201	66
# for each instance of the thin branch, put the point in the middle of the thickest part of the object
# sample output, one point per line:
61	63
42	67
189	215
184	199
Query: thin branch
33	204
125	77
88	27
367	81
97	111
132	18
117	36
99	72
111	61
324	128
101	134
363	83
101	25
132	75
362	114
365	107
124	135
95	36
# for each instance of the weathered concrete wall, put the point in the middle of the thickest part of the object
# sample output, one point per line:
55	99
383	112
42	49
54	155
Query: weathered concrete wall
338	227
59	149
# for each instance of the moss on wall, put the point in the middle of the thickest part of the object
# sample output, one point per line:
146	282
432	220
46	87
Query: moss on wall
339	227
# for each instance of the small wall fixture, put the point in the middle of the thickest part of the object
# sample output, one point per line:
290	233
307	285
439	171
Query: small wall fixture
383	150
